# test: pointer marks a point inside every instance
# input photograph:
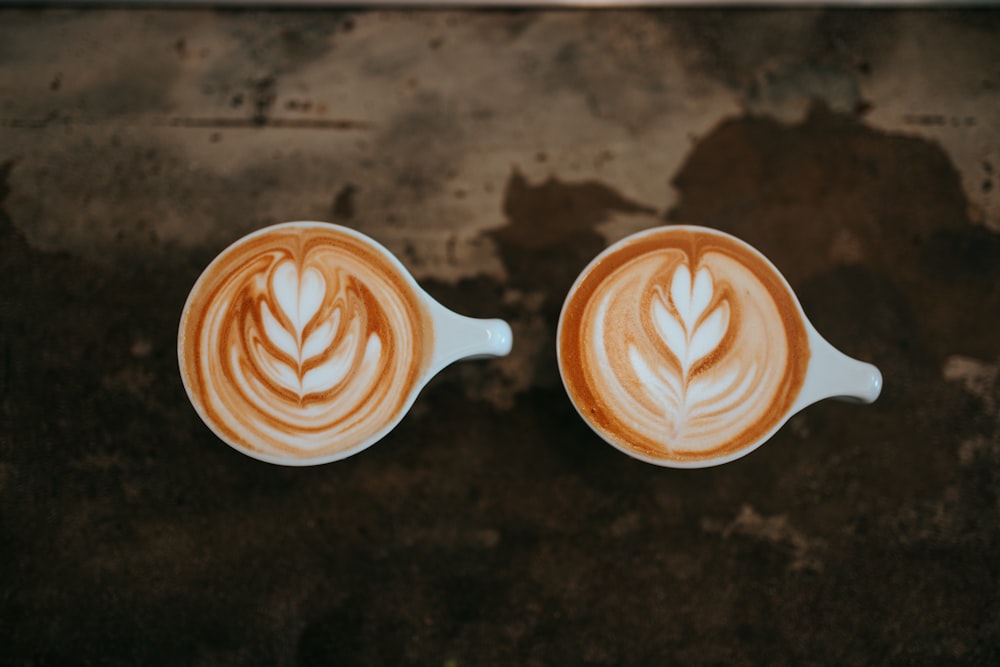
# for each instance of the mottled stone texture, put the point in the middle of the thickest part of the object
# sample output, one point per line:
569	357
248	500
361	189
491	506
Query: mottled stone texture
496	153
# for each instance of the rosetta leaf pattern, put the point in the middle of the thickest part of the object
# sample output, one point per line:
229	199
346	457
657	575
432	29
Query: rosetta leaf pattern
691	320
299	295
338	365
288	322
277	334
684	326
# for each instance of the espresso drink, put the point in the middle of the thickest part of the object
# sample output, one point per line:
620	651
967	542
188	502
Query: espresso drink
682	344
303	341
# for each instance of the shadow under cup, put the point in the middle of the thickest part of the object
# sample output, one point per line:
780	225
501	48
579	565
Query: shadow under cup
303	343
684	346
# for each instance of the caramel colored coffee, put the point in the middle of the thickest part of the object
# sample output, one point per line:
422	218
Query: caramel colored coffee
303	341
682	344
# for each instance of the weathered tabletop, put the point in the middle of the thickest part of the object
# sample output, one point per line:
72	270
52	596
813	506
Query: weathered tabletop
496	153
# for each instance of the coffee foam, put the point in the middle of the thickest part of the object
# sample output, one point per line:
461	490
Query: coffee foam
683	344
303	341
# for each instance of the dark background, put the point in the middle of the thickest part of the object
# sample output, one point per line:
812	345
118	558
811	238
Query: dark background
858	150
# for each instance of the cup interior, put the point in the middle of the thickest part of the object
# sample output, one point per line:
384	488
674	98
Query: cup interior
685	347
306	342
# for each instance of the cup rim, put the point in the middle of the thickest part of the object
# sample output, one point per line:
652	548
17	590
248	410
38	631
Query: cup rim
672	463
425	376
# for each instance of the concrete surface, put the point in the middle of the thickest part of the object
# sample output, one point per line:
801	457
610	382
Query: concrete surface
496	153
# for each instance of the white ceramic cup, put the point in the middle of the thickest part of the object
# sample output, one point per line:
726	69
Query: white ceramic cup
685	347
306	342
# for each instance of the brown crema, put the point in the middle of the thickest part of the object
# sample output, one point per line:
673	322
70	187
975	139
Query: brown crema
303	341
682	344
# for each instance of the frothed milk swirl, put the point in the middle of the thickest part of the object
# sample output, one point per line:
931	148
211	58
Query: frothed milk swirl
303	341
682	344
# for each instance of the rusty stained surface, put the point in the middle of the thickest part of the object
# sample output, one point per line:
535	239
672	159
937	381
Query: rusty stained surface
496	153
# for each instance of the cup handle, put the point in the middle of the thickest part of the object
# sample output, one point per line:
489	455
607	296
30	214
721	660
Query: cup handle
833	374
459	337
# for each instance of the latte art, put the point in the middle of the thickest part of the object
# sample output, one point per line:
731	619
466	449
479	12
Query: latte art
303	341
682	345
